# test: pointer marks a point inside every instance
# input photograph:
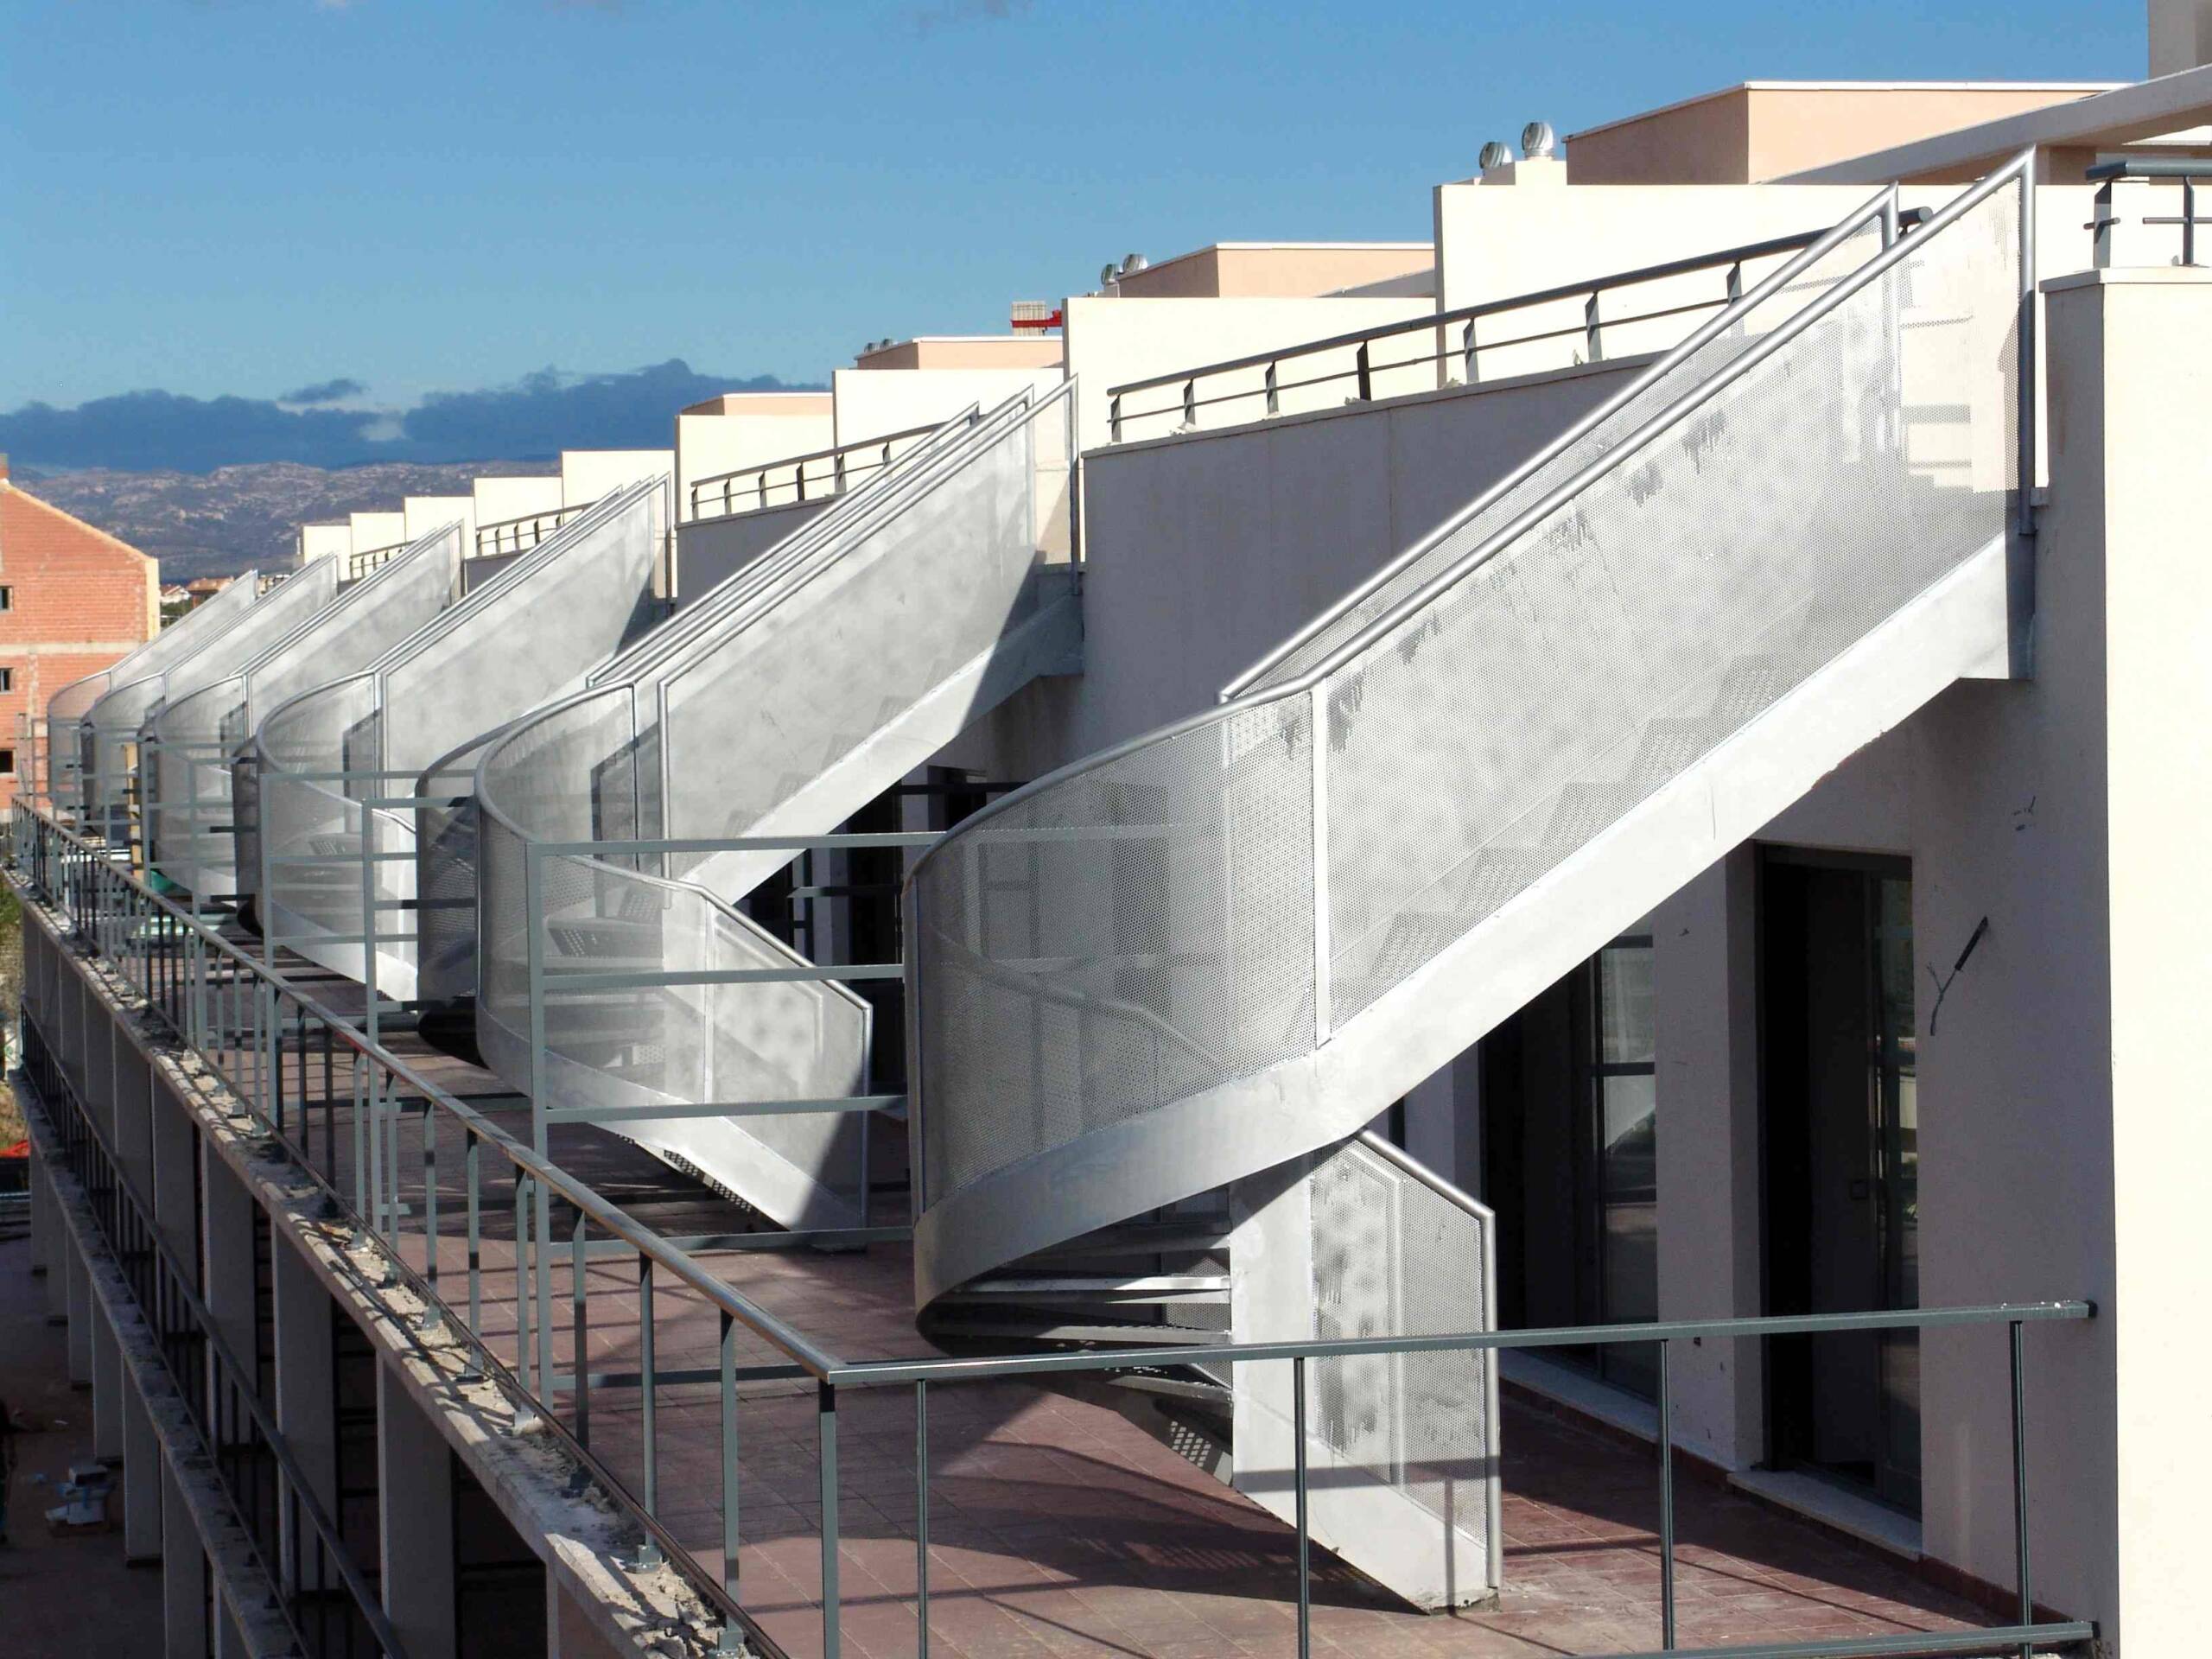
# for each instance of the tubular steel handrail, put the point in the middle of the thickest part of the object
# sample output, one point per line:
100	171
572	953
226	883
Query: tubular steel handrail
161	1286
1881	208
2110	170
1590	329
359	564
507	534
838	455
271	1020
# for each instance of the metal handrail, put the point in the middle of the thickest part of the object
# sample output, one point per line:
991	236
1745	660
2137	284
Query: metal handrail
831	1374
2109	170
1881	207
1590	329
560	516
359	564
180	1289
837	455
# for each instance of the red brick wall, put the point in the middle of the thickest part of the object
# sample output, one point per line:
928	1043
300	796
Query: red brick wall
79	599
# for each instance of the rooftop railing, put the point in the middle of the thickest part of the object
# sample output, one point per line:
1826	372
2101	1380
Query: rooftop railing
2112	173
359	564
382	1142
817	475
1617	312
523	532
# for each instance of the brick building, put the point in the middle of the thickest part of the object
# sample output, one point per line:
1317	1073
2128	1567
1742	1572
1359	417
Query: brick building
72	599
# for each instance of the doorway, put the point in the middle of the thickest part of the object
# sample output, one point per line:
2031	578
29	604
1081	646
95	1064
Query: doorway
1839	1121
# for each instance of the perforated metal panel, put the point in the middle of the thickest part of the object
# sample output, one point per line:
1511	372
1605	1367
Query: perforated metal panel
705	727
527	635
1140	929
196	736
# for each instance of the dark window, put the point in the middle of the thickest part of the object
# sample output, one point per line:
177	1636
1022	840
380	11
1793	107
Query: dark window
7	598
7	763
7	679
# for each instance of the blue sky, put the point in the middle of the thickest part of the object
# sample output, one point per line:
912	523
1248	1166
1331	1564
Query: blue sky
248	196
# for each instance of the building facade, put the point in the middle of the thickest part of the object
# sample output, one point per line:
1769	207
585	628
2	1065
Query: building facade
72	599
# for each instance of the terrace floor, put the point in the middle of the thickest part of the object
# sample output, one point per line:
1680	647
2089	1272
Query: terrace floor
1057	1525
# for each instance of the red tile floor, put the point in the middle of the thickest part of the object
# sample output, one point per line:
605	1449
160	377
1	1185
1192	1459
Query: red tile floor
1059	1527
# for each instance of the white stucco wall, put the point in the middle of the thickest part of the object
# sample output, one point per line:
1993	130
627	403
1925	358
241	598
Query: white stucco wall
500	499
325	541
769	427
424	513
587	474
874	403
375	530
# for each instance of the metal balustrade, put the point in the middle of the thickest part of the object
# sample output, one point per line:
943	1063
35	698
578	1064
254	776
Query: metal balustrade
2112	173
503	537
361	564
490	1266
1451	348
334	1611
817	475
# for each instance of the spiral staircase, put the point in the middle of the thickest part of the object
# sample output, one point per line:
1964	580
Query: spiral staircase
777	705
1158	998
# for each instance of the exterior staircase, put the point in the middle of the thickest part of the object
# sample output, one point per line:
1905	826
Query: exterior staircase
1158	997
778	705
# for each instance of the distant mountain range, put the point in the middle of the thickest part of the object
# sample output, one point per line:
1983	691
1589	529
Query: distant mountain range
237	518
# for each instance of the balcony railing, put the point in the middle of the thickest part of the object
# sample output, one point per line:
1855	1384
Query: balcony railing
817	475
332	1608
2112	173
359	564
374	1134
1447	348
523	532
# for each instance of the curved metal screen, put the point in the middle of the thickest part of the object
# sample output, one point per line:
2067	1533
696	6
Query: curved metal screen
66	708
740	709
1182	885
208	806
102	740
164	775
334	867
1125	977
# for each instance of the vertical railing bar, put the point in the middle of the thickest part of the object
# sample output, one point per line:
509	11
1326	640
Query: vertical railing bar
922	1520
472	1158
646	1413
1299	1488
2020	1486
431	1319
1666	1508
578	1374
728	1391
825	1413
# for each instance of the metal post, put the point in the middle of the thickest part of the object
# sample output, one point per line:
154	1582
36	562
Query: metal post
1366	375
2021	1489
580	1363
1114	420
1592	337
2188	220
825	1417
1298	1466
2101	227
431	1318
651	1472
1666	1510
729	1451
522	1278
2028	380
1467	351
922	1520
475	1258
535	954
1190	403
1274	405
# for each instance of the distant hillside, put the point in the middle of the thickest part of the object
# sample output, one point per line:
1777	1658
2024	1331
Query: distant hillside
237	517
